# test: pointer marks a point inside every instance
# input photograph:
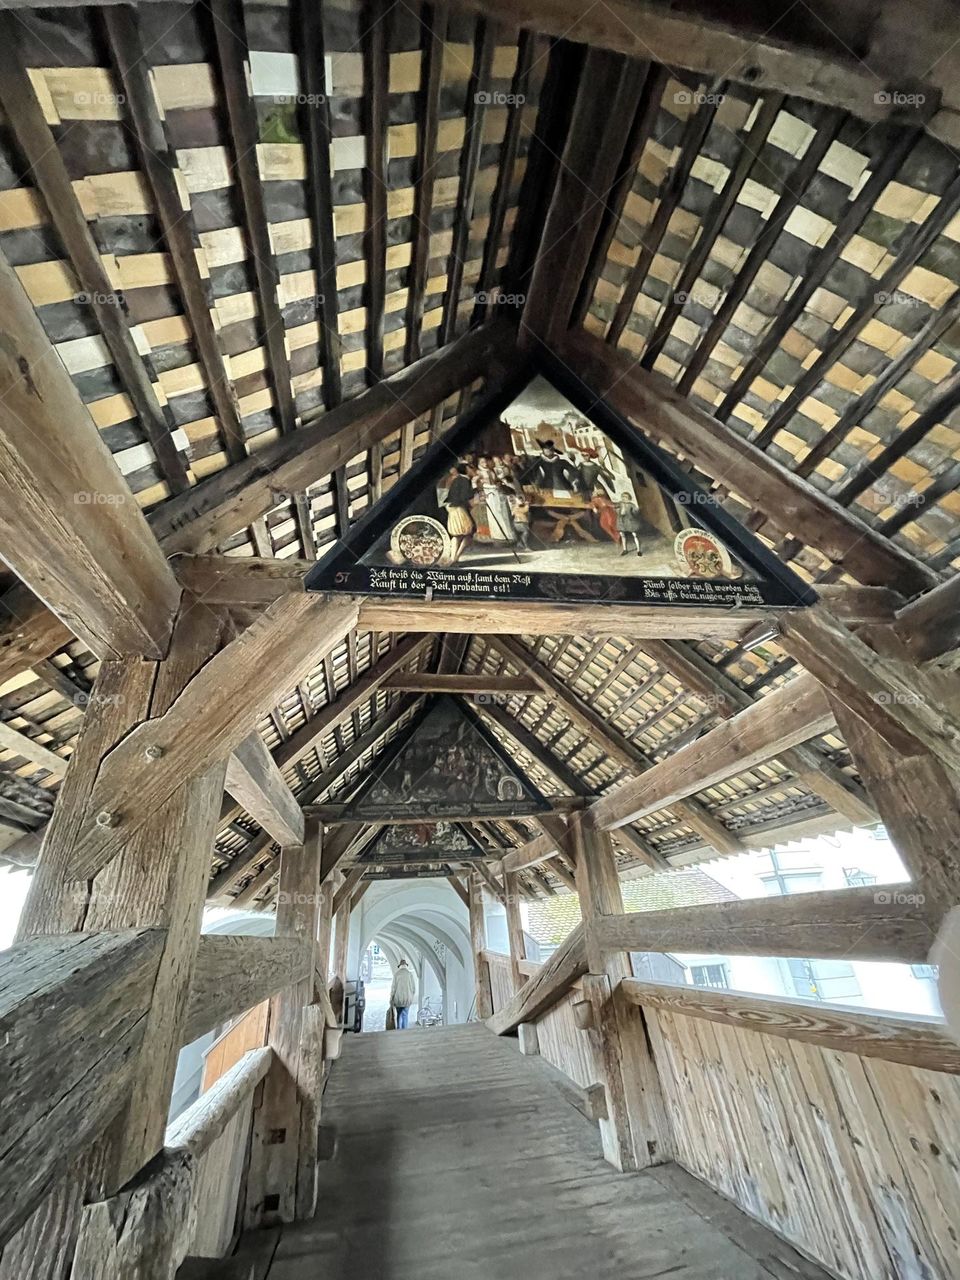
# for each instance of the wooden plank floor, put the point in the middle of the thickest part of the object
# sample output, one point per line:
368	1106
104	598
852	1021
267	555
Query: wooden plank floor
458	1159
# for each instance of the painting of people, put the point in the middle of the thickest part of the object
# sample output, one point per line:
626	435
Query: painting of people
420	842
532	498
448	767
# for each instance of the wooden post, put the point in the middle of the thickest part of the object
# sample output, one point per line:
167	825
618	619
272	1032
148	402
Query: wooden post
341	948
325	931
282	1177
158	881
514	928
633	1131
478	943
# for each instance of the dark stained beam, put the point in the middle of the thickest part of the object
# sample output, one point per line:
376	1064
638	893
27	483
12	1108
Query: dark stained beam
159	163
49	175
374	45
790	504
233	58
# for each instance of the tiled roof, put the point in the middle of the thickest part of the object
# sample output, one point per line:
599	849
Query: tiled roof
551	919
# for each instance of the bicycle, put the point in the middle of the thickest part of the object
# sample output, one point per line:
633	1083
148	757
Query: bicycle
427	1016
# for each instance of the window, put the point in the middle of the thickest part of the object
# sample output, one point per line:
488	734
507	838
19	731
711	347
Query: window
709	975
823	979
854	877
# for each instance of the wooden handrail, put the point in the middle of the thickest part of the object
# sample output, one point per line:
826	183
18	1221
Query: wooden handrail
915	1041
548	985
878	922
204	1121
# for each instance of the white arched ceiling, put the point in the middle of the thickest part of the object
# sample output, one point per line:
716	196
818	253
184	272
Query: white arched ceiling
414	945
431	902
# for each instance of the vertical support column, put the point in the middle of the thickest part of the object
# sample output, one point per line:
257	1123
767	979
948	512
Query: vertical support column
325	932
282	1179
158	881
514	928
634	1131
478	944
341	946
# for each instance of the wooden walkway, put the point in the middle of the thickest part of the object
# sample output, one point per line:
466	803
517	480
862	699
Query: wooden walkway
458	1159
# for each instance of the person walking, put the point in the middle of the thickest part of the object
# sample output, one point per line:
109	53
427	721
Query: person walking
403	993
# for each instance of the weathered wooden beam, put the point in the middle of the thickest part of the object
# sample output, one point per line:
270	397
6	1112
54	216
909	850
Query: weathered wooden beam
231	499
50	176
71	1019
889	922
480	686
458	889
29	632
725	697
13	740
233	973
910	708
345	892
718	48
282	1180
478	943
195	1130
587	172
791	505
204	724
790	715
538	618
916	1042
69	525
930	625
250	582
549	984
633	1132
256	783
626	753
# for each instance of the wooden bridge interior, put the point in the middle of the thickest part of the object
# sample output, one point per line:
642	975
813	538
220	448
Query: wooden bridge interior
256	256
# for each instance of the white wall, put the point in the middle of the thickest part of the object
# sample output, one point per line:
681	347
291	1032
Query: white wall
887	986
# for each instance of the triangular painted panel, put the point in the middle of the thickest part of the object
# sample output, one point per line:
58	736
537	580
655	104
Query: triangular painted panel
448	766
544	492
411	842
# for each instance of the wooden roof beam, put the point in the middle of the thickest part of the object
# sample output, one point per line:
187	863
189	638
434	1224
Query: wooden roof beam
479	686
725	697
840	924
609	739
728	50
231	499
69	525
791	505
256	783
790	715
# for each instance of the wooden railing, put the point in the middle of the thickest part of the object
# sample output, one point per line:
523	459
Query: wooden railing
189	1202
824	1122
